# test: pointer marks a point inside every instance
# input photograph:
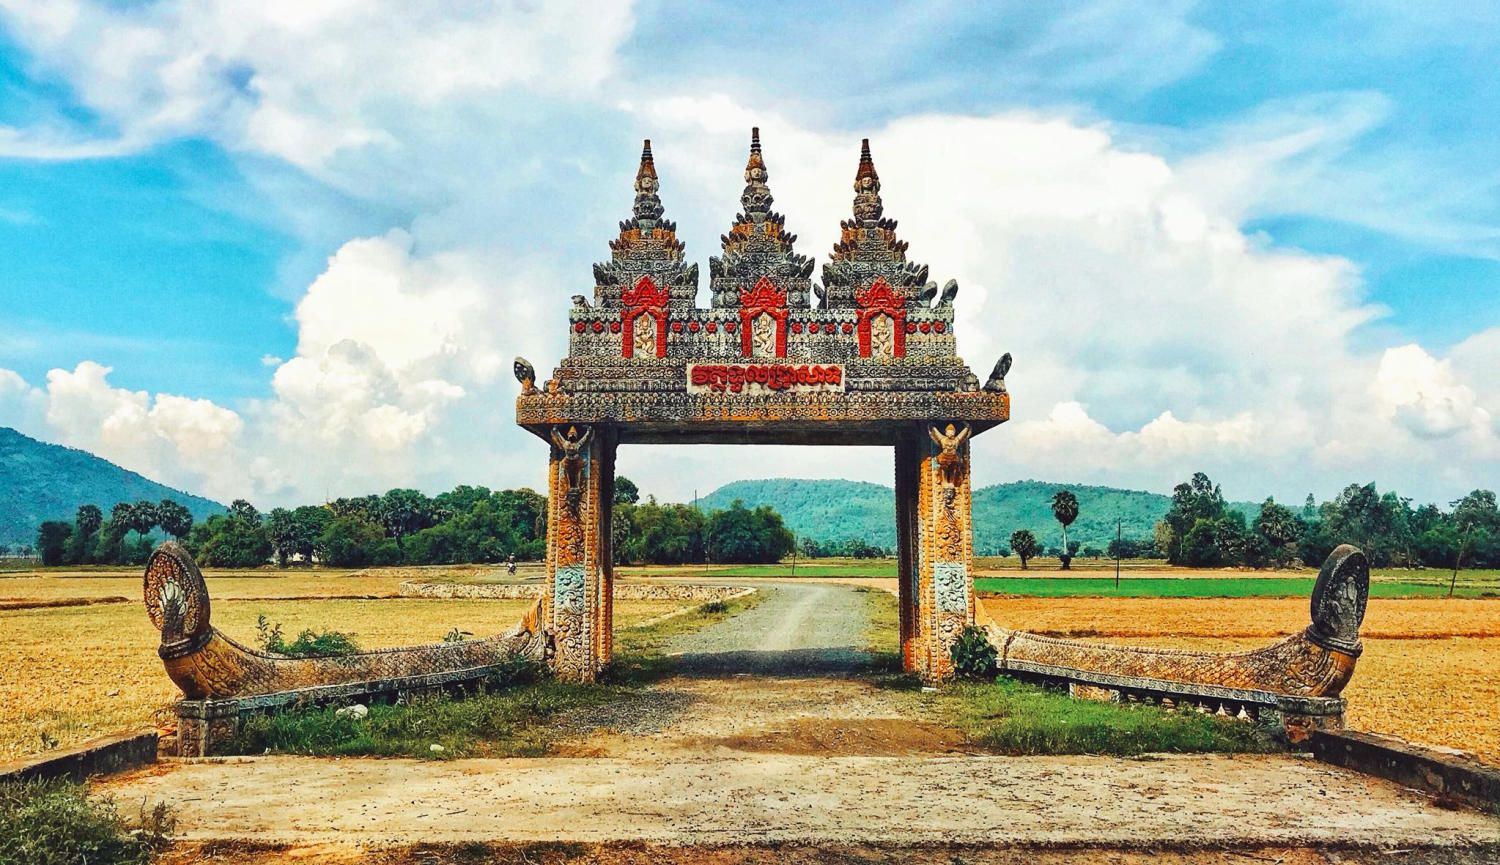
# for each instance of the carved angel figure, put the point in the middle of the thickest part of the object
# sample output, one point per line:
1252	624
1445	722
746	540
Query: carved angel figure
882	336
571	445
949	460
644	334
763	340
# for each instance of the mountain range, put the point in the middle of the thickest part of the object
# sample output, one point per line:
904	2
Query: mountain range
835	510
41	481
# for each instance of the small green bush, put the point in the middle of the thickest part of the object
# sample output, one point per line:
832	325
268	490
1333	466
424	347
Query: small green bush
309	644
714	608
974	656
55	822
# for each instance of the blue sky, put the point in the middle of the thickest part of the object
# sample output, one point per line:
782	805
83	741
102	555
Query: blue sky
314	234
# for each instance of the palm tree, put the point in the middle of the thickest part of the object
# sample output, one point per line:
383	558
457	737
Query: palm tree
1023	544
1065	508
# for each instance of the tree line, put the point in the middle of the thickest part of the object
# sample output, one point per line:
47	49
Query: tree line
1200	529
468	524
651	533
91	539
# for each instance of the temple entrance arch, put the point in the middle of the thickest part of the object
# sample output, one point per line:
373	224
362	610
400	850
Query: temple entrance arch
871	362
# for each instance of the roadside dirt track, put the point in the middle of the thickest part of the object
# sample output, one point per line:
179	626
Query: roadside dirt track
803	753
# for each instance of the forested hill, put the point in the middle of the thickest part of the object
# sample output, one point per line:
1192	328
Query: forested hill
40	481
835	510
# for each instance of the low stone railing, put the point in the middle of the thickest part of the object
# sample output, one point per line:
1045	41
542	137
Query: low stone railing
1291	686
532	591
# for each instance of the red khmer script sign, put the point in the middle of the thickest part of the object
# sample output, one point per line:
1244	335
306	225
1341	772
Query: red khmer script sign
756	378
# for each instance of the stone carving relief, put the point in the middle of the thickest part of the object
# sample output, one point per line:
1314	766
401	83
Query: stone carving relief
763	343
644	334
950	583
882	336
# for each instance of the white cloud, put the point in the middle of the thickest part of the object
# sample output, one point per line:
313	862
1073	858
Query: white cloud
1153	336
307	82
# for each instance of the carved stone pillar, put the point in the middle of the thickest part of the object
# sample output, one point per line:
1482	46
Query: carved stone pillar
932	477
580	570
908	461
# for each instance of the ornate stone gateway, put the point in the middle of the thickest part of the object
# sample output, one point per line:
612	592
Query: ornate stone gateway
865	358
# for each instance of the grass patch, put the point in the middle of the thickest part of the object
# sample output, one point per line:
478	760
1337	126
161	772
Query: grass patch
1011	717
505	719
882	637
1201	587
512	715
56	822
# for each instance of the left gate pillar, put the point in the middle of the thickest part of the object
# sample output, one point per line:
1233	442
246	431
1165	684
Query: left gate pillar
580	561
935	537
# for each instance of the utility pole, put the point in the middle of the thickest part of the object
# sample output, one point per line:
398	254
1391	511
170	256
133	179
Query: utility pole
794	555
1457	558
1119	528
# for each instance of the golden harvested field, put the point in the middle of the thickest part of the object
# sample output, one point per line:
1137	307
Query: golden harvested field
1430	671
71	673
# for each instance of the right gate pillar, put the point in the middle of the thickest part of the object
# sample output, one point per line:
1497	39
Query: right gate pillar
935	545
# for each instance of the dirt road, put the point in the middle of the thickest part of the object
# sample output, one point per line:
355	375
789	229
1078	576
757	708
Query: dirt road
769	735
797	629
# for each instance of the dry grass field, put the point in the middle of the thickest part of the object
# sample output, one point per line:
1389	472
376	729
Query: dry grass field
1430	671
70	673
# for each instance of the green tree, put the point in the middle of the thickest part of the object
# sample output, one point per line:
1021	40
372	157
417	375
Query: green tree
1196	501
308	522
85	528
404	511
366	507
350	542
143	518
245	512
1279	528
1065	510
52	541
88	520
1023	543
231	540
626	492
174	519
741	535
281	529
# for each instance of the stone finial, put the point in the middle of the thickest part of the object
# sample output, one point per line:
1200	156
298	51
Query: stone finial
867	205
756	199
647	202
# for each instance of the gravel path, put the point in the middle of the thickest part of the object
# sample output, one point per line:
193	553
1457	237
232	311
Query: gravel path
797	629
768	734
1187	800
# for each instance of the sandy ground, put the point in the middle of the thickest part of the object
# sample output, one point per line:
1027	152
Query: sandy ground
786	798
812	754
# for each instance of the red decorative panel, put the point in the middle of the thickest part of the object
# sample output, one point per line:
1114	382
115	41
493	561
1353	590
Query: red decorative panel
881	299
764	298
645	298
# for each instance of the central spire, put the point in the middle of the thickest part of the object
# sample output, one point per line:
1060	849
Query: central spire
867	205
756	198
647	202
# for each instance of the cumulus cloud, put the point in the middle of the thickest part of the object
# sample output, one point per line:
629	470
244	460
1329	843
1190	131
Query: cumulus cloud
1153	335
306	82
